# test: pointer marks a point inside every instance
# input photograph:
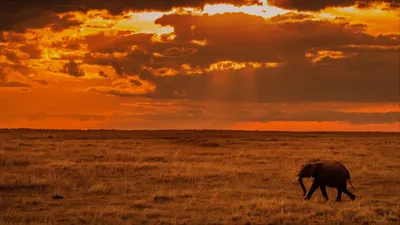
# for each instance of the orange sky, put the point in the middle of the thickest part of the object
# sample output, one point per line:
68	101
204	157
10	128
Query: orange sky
214	64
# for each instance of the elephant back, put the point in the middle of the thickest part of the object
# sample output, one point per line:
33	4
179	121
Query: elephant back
334	172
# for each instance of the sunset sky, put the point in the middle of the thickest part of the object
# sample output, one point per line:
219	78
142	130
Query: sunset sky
296	65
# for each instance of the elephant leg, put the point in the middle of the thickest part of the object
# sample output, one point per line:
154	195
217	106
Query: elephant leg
339	195
351	195
314	187
323	190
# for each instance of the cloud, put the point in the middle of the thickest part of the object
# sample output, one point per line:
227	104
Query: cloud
310	5
42	82
231	57
102	73
253	113
132	87
20	17
147	75
261	40
12	37
124	52
120	42
4	78
121	65
231	39
135	82
314	60
65	22
352	79
24	14
14	84
324	116
72	69
369	76
32	50
118	6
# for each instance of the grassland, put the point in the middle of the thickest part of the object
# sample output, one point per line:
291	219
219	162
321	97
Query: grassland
192	177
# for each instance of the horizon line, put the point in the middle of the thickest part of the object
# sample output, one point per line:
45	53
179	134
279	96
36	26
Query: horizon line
231	130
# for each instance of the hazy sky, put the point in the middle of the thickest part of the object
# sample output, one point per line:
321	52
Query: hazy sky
200	64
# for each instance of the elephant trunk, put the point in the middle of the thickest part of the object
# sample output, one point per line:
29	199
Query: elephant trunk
302	186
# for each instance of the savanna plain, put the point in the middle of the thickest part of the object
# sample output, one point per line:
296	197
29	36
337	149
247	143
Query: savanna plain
192	177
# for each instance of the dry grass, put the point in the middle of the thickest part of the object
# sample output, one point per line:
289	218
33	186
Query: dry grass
191	177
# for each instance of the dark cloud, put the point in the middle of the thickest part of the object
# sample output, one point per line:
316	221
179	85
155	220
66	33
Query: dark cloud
10	55
352	80
270	115
122	66
72	69
32	50
134	45
181	53
366	77
19	19
365	71
13	37
112	91
312	5
147	75
392	4
33	18
114	62
22	69
67	44
4	77
116	66
42	82
65	22
325	116
258	39
120	42
207	114
22	14
135	82
117	6
14	84
102	73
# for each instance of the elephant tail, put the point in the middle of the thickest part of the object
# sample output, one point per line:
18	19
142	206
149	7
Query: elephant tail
348	173
351	183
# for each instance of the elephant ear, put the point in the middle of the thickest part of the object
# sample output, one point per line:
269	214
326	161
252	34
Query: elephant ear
313	170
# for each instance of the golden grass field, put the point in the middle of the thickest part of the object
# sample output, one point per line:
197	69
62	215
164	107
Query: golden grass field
192	177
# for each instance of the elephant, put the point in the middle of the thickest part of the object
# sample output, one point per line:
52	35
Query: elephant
329	173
